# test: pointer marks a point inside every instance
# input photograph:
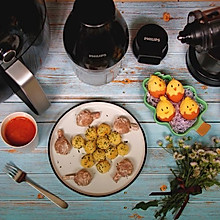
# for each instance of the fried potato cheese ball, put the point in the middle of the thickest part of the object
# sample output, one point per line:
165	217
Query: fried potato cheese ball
103	142
103	166
111	152
123	149
90	147
91	133
99	154
87	161
114	138
103	129
101	145
78	141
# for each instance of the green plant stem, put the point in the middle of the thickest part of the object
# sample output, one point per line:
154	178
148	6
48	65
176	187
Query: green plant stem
173	202
187	177
166	150
173	173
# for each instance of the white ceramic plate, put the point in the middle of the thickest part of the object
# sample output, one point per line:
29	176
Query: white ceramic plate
101	184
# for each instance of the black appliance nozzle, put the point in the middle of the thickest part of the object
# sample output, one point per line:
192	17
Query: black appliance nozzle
202	30
202	34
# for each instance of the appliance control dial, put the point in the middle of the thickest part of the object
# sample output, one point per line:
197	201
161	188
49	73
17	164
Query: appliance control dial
8	48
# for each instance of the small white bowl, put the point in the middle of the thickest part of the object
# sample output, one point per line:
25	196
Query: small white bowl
29	146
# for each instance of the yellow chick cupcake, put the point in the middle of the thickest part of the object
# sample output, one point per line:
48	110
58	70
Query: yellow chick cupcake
189	109
175	90
156	86
165	110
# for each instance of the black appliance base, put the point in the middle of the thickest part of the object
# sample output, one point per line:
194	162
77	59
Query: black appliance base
198	72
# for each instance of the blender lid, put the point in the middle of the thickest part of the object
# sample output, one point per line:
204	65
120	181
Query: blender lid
150	45
94	12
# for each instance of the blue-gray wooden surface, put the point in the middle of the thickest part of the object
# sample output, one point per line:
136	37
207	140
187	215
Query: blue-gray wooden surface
65	90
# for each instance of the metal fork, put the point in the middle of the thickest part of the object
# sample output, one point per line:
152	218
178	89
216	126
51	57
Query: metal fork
19	176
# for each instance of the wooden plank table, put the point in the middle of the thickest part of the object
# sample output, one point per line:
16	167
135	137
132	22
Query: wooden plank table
65	90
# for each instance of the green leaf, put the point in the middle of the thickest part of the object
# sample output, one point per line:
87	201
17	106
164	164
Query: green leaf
209	183
145	206
216	182
174	185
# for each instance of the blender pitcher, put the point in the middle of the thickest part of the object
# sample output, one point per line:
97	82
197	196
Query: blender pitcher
96	39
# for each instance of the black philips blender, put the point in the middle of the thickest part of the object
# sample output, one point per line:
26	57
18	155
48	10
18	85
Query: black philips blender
96	39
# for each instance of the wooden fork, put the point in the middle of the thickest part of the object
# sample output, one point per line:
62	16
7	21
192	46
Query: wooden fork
19	176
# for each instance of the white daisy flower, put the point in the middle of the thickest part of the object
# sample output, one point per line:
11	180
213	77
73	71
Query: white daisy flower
186	147
215	140
217	162
204	160
180	157
181	141
160	143
201	152
192	155
175	155
212	153
196	172
167	138
193	164
194	151
209	176
218	151
198	145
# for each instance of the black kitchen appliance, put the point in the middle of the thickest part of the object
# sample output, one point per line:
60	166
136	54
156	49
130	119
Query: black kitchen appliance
96	39
150	45
24	43
202	33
